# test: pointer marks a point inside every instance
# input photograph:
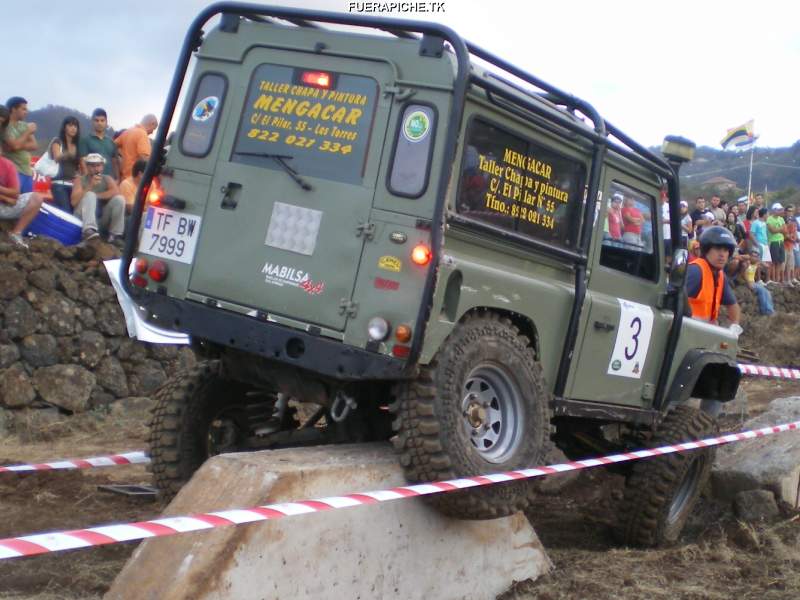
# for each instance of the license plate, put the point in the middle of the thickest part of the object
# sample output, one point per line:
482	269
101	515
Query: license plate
170	234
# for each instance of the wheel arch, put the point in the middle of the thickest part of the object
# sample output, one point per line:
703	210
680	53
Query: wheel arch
706	375
524	324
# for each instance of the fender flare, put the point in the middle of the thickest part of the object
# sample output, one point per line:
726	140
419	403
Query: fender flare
720	384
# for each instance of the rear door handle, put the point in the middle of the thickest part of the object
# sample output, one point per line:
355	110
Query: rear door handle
603	326
230	193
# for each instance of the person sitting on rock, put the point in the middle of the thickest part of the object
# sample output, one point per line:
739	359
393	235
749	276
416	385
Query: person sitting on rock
22	208
96	201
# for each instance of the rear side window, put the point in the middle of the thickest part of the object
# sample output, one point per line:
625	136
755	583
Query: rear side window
201	123
317	121
629	233
512	182
412	151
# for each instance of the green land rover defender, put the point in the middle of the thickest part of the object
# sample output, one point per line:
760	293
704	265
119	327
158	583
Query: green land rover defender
373	229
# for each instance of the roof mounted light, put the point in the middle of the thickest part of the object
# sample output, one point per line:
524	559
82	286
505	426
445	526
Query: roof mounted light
678	149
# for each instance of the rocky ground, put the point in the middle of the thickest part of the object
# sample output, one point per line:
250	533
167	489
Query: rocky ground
72	384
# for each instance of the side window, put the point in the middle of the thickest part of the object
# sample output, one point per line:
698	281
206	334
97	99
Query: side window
514	183
201	123
629	234
412	151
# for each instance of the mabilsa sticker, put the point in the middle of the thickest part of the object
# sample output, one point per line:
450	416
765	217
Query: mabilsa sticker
282	275
390	263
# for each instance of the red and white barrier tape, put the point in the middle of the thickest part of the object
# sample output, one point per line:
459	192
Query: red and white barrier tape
42	543
137	457
767	371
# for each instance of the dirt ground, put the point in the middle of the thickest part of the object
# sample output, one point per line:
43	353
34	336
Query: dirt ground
717	557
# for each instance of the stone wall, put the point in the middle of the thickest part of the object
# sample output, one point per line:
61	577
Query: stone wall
63	342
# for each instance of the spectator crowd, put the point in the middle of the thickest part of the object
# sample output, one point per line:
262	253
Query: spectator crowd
768	248
96	178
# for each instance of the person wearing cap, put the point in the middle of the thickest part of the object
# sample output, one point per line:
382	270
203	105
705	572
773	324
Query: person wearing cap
706	285
614	217
19	140
687	228
97	202
97	141
775	229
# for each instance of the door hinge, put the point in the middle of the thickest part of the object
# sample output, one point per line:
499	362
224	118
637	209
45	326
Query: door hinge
648	391
348	307
366	229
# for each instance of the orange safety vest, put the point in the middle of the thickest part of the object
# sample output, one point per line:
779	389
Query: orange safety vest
706	305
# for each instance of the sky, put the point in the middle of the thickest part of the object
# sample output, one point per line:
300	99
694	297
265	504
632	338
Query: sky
691	68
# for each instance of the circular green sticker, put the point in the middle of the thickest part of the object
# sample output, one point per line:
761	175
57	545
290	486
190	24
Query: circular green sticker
416	126
616	365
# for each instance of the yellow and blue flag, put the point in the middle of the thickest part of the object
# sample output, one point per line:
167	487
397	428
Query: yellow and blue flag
739	138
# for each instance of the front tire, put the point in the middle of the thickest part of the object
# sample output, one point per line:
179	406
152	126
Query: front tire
480	407
661	492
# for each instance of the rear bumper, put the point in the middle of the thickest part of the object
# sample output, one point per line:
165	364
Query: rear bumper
273	341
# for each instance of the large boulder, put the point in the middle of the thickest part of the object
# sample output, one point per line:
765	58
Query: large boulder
91	348
769	463
66	386
12	282
20	318
15	387
39	350
111	376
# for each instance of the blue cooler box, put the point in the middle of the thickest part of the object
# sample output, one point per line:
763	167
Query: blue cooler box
57	224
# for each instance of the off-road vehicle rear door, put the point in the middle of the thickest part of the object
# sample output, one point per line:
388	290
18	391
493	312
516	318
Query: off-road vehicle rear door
293	185
624	332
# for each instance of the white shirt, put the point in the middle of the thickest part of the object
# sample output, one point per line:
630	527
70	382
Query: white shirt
665	218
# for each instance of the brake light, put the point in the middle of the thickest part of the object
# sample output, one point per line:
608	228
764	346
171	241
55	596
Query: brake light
154	193
319	79
421	255
141	265
159	271
138	281
401	351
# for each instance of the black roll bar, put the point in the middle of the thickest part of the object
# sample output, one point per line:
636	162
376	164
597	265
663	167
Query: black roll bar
598	137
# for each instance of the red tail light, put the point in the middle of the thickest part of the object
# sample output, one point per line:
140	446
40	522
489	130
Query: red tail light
154	194
141	265
319	79
159	271
138	281
401	351
421	255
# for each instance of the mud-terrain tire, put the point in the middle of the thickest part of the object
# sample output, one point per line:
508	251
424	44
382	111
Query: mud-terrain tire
485	357
661	492
185	406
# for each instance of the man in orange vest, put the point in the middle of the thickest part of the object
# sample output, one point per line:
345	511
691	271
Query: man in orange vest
706	285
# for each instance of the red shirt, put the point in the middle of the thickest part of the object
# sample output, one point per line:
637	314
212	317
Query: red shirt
635	213
614	224
8	174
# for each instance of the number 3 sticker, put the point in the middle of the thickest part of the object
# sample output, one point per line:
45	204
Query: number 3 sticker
633	340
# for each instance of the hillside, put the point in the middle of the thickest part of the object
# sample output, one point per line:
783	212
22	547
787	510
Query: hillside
49	118
773	168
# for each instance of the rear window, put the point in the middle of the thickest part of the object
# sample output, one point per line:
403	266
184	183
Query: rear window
511	182
319	121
